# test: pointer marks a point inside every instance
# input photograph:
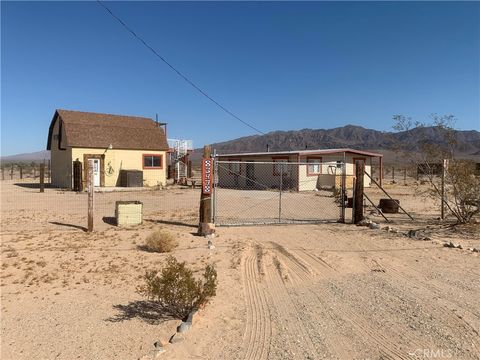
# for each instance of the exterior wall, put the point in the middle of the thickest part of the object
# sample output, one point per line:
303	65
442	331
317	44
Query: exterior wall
264	176
297	177
329	172
117	159
61	161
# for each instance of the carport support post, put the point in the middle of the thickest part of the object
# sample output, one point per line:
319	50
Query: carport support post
21	172
205	226
358	194
42	178
90	195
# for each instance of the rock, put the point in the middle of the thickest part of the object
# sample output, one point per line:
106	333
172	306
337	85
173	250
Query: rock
374	226
476	249
210	245
156	353
193	317
176	338
364	222
418	235
451	244
184	326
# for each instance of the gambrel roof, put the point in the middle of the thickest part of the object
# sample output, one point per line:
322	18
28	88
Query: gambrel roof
95	130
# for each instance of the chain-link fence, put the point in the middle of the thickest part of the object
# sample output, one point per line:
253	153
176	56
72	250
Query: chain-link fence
278	192
24	207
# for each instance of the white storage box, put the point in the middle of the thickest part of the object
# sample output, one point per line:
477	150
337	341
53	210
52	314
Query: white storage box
128	213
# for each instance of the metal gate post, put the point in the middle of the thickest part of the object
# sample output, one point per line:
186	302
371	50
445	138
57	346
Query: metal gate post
280	195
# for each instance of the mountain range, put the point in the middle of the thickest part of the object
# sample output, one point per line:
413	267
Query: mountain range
349	136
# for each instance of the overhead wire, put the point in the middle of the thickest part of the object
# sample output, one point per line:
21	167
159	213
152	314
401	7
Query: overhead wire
178	72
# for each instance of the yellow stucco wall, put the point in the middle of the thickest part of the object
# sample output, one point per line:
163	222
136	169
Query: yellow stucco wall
118	159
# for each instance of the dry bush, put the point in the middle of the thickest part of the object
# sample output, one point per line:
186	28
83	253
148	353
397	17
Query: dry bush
176	291
436	156
160	241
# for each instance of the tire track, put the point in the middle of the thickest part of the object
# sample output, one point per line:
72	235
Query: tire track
257	335
302	275
441	311
289	314
412	279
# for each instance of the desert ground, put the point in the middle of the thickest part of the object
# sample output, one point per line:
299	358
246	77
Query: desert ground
303	291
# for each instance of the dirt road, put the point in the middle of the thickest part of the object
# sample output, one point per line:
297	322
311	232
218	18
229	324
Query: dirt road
326	291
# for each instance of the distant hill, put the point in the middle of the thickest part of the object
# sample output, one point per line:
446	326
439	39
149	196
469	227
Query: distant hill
27	157
349	136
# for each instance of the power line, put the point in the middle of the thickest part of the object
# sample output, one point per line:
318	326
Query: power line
184	77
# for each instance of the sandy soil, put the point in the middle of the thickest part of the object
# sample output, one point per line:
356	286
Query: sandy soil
333	291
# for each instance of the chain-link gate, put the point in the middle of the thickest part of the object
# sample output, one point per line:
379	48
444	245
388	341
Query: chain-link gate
278	192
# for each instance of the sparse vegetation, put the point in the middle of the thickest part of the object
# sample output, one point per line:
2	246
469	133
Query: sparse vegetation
175	289
461	187
160	241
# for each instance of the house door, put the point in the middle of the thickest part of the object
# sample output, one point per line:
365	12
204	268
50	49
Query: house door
250	173
96	172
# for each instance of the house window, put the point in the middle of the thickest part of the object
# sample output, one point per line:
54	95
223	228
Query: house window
314	166
152	161
234	167
277	168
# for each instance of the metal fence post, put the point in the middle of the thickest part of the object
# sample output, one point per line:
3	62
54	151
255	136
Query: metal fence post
90	190
280	194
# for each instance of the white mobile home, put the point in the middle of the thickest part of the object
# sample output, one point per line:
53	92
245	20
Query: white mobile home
304	170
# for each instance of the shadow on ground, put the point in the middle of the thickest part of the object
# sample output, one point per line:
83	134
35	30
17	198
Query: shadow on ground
69	225
34	185
109	220
148	311
168	222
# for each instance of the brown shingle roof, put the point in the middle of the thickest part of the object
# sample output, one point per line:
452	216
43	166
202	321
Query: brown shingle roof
94	130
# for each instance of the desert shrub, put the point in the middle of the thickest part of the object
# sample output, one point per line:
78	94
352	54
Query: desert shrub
175	289
434	156
160	241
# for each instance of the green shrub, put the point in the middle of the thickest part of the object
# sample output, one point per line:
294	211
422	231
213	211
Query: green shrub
175	289
160	241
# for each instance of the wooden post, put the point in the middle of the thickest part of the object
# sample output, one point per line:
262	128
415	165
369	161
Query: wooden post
3	173
393	173
42	178
405	175
205	226
49	171
358	195
90	191
21	172
11	173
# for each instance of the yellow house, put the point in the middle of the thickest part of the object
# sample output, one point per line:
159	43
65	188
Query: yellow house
116	144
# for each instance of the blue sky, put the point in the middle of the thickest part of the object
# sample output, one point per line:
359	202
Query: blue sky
277	65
